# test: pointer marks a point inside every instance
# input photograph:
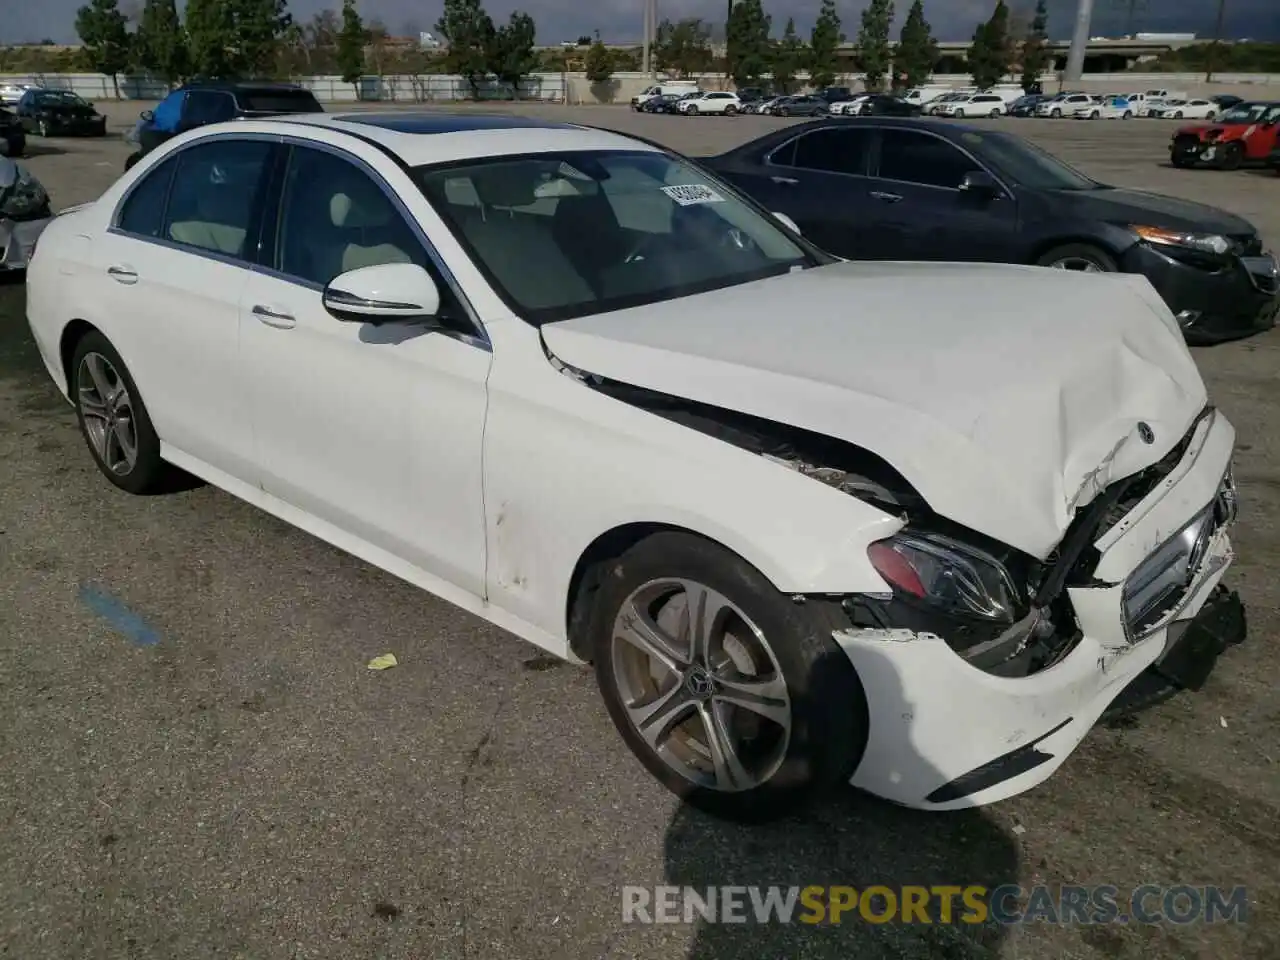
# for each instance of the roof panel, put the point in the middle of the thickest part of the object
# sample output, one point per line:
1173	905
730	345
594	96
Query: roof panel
449	122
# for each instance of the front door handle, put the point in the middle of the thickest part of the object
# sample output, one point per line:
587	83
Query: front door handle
789	181
122	274
886	197
274	318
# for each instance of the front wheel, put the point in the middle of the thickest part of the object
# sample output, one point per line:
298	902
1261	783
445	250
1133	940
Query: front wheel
730	110
692	111
1084	257
1056	114
1177	115
959	114
1094	115
1126	115
733	695
1231	157
784	112
994	114
113	419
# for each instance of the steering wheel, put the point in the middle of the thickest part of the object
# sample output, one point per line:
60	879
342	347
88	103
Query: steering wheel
731	238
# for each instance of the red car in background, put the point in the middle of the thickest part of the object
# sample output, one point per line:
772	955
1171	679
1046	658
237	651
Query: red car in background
1246	133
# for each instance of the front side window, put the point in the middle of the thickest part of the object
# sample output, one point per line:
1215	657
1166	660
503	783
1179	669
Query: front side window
913	157
142	213
579	233
214	195
334	218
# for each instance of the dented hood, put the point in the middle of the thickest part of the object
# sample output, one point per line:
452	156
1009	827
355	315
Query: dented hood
1008	396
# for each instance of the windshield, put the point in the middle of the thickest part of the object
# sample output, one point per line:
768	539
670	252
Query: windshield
1025	163
1252	113
563	235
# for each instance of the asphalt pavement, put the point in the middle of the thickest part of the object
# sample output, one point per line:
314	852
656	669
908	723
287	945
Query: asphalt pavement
221	776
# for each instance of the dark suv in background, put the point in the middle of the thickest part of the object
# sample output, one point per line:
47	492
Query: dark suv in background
203	102
13	139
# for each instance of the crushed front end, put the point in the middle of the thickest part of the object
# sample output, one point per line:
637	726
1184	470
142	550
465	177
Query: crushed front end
984	668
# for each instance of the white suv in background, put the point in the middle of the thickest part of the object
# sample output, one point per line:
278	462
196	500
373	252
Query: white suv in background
716	101
1064	106
976	105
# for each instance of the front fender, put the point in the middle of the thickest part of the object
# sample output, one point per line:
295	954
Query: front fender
565	464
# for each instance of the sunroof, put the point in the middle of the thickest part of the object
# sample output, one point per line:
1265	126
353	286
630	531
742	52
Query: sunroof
449	122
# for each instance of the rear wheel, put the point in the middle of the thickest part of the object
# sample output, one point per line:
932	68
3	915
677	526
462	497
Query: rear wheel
1177	115
732	694
1126	115
1084	257
113	419
960	113
132	160
730	110
994	113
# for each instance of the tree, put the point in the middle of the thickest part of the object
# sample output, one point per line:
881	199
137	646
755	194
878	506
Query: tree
210	35
599	64
873	43
1035	48
101	27
684	47
917	51
351	45
990	53
823	43
747	42
161	42
511	54
258	25
788	57
469	32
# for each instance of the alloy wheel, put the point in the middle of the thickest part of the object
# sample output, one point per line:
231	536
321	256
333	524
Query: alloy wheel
1083	264
701	685
107	411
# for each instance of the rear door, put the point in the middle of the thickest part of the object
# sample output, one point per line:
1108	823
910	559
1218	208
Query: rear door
919	212
819	180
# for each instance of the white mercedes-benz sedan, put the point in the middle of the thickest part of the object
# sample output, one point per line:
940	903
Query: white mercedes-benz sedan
913	526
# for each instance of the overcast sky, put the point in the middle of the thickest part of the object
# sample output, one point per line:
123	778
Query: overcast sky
619	20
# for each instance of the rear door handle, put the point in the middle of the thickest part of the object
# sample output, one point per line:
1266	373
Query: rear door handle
886	197
789	181
122	274
274	318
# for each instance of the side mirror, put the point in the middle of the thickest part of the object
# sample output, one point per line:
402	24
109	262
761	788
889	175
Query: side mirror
786	221
386	292
979	183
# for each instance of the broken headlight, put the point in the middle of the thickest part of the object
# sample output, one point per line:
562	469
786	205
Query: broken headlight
947	574
24	197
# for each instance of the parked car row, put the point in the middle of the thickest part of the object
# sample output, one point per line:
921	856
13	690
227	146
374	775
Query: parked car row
585	331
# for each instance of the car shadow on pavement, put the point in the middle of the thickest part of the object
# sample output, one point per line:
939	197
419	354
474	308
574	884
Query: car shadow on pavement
851	840
39	149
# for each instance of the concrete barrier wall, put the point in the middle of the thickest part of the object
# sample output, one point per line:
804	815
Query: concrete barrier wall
575	88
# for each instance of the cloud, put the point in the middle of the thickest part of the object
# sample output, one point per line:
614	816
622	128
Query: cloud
620	20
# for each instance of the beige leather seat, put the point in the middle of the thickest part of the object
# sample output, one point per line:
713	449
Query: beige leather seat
372	225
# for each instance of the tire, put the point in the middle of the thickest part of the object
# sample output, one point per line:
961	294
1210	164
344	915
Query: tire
1210	115
1127	115
994	114
1232	156
1182	162
1177	115
1095	115
147	473
783	112
132	160
1056	114
959	114
692	111
1097	259
42	128
730	110
821	696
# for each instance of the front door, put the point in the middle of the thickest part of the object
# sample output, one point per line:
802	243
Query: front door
373	430
920	212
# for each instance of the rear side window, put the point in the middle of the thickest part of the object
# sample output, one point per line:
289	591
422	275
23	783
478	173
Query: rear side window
143	210
279	101
834	150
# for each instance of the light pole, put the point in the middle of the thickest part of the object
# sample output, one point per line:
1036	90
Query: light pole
1212	55
1079	42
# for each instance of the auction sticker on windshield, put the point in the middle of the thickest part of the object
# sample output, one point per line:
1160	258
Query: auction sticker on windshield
687	194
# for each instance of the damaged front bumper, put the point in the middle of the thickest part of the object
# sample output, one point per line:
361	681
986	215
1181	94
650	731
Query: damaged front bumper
947	735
